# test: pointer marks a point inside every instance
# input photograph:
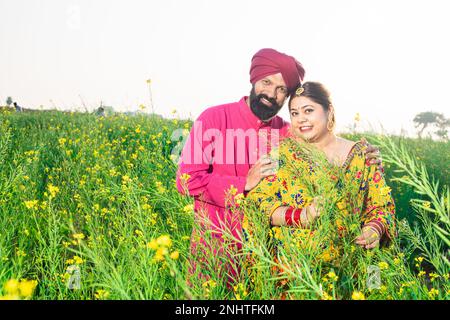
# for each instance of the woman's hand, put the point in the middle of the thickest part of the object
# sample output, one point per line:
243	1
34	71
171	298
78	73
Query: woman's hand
310	214
369	238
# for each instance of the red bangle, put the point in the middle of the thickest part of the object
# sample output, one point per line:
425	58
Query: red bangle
288	216
297	213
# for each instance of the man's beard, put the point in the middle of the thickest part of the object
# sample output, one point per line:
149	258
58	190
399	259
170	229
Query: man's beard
259	109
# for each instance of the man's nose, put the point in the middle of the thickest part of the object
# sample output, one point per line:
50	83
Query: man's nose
272	92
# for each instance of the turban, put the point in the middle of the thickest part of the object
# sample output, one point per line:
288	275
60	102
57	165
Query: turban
269	61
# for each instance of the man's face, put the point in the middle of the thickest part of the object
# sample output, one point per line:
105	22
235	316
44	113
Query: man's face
268	96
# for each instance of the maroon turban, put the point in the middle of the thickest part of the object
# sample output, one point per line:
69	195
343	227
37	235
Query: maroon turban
269	61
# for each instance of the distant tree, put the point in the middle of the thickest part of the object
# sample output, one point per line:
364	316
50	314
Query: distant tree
442	131
9	100
424	119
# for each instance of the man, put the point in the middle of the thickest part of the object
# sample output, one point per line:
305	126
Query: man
225	154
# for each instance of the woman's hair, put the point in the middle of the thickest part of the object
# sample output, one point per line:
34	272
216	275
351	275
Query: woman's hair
314	91
317	93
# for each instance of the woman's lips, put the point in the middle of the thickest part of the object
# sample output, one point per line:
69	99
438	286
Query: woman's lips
305	128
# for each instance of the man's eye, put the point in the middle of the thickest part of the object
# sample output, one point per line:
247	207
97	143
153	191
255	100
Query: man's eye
265	81
283	90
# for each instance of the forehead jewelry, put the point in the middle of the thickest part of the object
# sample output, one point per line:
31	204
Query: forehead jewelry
299	91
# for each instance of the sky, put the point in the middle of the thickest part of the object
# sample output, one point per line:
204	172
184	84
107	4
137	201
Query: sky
386	60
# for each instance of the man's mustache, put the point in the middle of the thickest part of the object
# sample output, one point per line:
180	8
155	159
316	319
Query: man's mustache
271	100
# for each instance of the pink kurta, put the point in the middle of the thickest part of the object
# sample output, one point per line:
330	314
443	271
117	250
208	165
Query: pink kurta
223	144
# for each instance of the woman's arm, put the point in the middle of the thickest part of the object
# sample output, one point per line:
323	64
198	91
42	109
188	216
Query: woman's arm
378	216
302	218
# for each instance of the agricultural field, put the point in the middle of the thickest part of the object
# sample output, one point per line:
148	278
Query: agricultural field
89	209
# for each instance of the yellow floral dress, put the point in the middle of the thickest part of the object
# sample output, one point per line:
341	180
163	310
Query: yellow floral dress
355	190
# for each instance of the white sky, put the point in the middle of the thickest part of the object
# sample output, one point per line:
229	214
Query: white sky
386	59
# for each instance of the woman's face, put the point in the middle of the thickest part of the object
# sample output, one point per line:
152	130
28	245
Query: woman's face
308	119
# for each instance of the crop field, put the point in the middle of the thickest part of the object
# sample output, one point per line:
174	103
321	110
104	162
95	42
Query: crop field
89	209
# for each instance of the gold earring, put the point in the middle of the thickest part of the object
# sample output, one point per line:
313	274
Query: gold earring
330	123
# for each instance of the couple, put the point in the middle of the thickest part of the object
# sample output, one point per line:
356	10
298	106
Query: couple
275	78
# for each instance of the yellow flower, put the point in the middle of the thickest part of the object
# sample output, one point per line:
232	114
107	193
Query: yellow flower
149	81
78	236
210	283
164	241
357	117
32	204
332	276
20	253
189	208
433	293
78	260
125	179
383	265
341	205
427	204
139	233
53	190
62	141
160	187
160	253
175	255
434	276
233	190
358	295
27	287
101	294
326	296
239	198
419	261
11	286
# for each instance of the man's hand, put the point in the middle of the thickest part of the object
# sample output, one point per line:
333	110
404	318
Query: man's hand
368	239
372	153
262	168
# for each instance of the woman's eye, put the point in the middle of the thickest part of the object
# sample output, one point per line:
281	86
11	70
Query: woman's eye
309	110
294	114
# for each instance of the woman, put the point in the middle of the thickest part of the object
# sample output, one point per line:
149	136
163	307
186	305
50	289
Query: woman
290	198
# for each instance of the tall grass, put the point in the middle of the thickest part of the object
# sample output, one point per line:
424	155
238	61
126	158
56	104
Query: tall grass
98	195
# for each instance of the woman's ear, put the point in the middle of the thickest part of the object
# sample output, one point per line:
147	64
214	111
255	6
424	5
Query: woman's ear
331	108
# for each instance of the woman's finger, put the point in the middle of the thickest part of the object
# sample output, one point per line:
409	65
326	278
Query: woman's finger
373	244
361	241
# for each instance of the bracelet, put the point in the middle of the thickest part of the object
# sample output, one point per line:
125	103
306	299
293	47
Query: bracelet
297	214
373	229
292	217
288	216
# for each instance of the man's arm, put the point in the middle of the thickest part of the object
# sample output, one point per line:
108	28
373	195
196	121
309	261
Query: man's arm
196	176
